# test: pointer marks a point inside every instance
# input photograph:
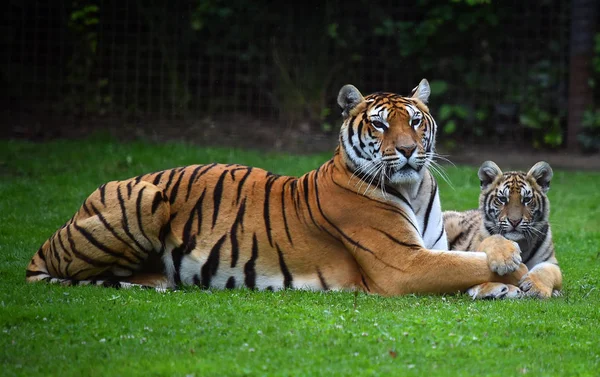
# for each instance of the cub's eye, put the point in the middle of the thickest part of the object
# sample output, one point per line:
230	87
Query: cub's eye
415	122
527	199
502	199
380	126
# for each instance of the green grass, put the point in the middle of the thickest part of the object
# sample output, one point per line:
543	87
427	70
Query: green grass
87	331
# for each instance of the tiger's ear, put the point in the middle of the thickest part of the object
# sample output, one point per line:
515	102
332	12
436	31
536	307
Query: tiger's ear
488	172
422	91
542	173
348	98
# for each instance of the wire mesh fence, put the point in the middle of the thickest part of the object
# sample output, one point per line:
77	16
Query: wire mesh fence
494	67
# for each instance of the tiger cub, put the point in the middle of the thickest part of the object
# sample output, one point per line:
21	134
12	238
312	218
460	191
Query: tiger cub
513	205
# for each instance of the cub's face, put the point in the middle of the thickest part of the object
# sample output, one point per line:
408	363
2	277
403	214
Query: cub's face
515	204
387	138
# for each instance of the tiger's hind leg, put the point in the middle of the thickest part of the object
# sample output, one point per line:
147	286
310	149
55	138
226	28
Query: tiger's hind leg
118	229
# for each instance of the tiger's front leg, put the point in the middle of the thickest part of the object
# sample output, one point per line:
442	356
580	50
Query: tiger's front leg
543	281
504	256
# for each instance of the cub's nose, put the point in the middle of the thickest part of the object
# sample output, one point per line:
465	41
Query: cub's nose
514	223
406	150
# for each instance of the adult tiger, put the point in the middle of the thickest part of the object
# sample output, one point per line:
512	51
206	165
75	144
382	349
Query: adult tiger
368	219
513	205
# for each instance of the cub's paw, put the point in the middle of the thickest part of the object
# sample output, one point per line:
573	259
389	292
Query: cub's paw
533	286
503	256
494	291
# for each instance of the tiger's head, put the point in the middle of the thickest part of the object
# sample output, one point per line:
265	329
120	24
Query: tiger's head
385	137
515	204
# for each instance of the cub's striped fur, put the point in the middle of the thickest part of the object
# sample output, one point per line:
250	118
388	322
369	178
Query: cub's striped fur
513	205
368	219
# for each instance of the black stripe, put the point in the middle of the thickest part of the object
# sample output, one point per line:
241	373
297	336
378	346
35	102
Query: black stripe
239	220
324	284
138	179
398	195
187	228
285	223
429	205
218	191
364	281
210	267
129	185
40	253
62	245
112	231
193	177
29	273
125	222
86	209
91	239
138	207
102	194
169	181
191	181
287	277
266	215
82	256
439	237
307	201
158	177
538	244
456	239
175	189
397	241
177	256
230	283
249	271
295	197
344	235
241	184
158	198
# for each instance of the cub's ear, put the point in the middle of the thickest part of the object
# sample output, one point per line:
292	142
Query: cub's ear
422	91
348	98
542	173
488	172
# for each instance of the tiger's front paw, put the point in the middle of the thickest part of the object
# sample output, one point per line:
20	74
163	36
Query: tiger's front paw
534	286
503	256
488	291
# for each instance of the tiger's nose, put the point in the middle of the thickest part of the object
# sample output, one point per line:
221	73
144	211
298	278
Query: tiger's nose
514	223
406	150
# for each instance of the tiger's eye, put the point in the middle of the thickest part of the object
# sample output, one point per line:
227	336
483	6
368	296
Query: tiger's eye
379	125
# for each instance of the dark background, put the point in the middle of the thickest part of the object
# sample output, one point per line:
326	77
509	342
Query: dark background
516	75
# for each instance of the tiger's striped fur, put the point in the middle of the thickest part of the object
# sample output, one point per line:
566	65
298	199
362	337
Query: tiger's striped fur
514	205
368	219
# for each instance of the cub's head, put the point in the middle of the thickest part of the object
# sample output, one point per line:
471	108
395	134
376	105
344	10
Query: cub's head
385	137
515	204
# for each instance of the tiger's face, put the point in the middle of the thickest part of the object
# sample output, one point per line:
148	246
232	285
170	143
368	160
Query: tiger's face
515	204
387	138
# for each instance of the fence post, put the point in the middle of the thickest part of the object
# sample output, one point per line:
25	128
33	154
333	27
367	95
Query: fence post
583	25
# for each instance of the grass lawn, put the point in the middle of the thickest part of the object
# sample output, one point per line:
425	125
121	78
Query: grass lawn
90	331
